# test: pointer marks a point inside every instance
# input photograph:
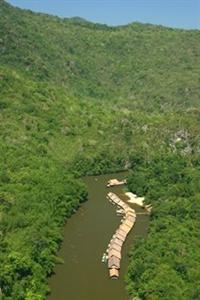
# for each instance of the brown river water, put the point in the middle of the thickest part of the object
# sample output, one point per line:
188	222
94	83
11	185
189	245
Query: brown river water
86	235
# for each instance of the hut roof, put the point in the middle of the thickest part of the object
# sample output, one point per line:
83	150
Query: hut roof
125	228
114	262
123	205
116	247
128	223
117	241
120	237
130	219
117	200
114	273
122	232
126	206
113	252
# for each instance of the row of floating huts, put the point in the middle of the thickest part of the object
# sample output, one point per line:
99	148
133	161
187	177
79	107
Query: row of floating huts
115	246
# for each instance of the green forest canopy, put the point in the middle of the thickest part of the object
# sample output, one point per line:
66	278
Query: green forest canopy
79	98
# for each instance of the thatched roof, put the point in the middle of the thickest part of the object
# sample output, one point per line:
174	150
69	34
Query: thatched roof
130	219
115	247
121	232
118	241
115	253
125	228
114	273
114	262
120	235
128	223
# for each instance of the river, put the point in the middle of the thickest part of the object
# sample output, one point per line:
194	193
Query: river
86	235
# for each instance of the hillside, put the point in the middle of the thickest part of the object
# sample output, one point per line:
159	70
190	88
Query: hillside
136	61
80	98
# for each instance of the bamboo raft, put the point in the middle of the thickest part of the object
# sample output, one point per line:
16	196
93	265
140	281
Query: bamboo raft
115	246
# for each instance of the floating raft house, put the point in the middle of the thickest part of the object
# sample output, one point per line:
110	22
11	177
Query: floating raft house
114	273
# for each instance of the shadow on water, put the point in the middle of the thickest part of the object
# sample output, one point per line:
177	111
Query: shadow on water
83	276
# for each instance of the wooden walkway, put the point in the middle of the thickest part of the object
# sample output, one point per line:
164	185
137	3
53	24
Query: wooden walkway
115	246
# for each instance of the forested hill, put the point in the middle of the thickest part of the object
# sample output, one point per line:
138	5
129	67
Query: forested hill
135	61
79	98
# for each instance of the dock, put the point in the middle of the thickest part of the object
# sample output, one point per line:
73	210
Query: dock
116	243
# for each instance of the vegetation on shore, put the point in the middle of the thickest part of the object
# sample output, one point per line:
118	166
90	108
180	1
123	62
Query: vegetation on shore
164	265
78	98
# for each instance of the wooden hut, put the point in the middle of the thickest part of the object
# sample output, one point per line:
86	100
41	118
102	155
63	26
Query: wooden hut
125	228
120	203
117	241
123	205
126	207
113	252
128	223
115	247
120	236
121	232
114	262
130	219
114	273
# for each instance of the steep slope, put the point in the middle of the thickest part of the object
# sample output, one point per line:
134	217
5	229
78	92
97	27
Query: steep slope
80	98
